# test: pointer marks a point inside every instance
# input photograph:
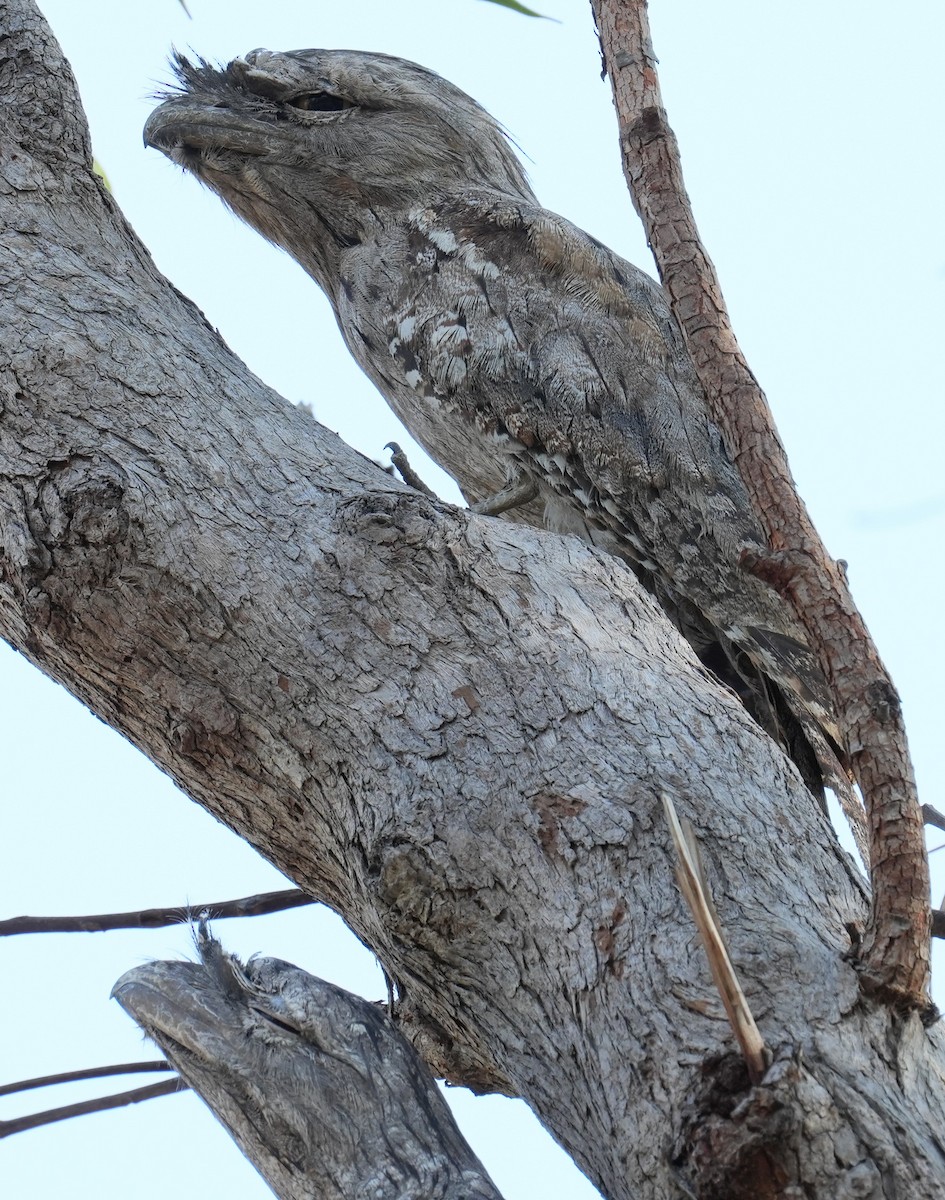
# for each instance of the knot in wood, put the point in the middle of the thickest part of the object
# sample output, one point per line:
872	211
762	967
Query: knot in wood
778	568
82	503
390	518
884	702
739	1142
649	126
202	723
183	737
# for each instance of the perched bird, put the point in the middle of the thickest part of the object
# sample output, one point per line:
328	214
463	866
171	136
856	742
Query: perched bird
321	1091
543	372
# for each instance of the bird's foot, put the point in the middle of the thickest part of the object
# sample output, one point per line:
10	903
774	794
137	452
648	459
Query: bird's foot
405	470
520	490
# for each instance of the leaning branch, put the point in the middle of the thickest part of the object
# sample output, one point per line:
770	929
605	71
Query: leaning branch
895	948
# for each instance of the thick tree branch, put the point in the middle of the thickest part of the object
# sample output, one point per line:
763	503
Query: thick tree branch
895	949
453	730
321	1092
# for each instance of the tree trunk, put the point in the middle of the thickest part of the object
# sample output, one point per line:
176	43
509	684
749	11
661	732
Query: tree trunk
455	731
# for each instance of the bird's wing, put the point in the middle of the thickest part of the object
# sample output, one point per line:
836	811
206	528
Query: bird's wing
545	346
567	357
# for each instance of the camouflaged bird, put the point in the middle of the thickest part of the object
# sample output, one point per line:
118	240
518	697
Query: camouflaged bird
544	373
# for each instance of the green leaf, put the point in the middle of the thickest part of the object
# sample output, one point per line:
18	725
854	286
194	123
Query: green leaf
527	12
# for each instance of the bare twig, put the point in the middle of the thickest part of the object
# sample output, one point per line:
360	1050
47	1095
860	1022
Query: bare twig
895	953
154	918
695	889
100	1104
142	1068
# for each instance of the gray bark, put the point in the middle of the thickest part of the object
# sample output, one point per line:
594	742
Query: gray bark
453	730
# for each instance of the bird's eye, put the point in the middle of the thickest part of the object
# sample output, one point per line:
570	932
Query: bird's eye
273	1020
319	102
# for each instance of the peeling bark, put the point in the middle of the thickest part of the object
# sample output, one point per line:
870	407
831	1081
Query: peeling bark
894	955
453	730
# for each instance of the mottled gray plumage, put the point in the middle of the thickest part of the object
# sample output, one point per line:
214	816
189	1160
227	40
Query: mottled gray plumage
518	350
323	1094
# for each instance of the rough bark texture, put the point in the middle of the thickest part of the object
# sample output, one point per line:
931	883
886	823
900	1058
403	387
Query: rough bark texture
544	373
895	952
321	1091
453	730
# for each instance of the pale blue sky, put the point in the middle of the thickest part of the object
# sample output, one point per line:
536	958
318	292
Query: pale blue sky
810	137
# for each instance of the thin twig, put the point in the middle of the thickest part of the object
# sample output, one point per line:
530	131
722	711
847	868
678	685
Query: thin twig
154	918
695	890
894	959
101	1104
142	1068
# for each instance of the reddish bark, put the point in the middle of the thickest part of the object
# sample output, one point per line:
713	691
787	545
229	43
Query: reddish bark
894	953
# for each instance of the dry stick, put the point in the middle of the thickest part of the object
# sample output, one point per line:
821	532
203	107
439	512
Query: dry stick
931	816
695	890
142	1068
155	918
894	955
101	1104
